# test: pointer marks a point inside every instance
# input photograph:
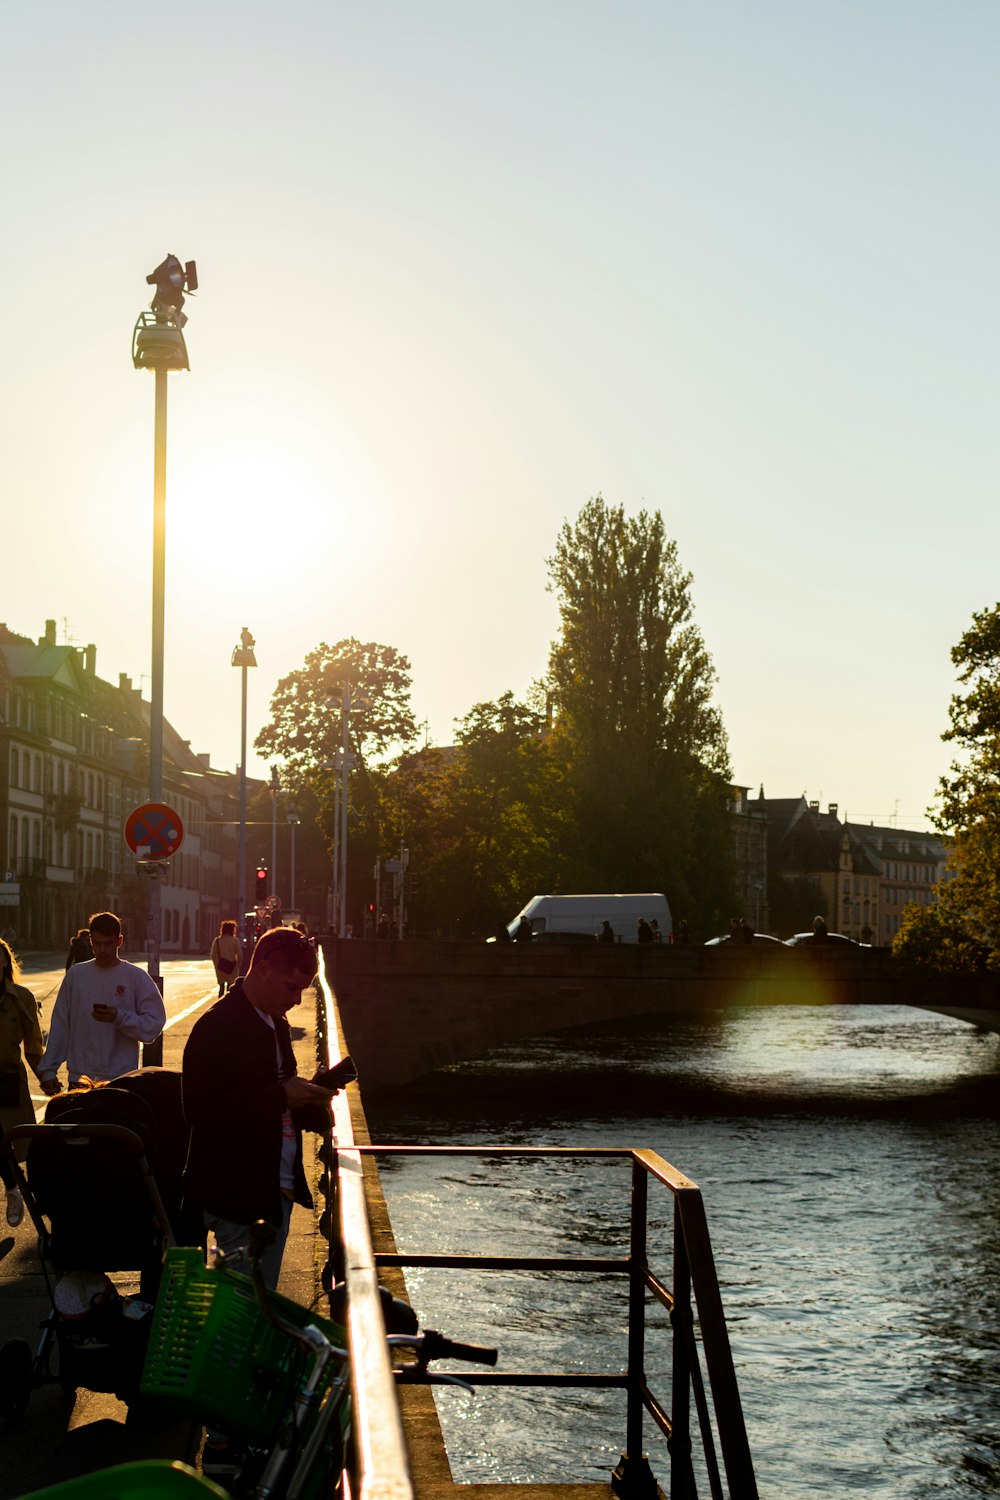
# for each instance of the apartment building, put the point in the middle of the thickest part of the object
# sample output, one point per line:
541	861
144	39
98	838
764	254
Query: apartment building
74	762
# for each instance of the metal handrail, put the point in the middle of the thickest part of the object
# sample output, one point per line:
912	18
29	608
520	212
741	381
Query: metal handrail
693	1272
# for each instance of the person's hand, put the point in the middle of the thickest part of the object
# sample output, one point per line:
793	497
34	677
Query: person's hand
107	1013
50	1085
298	1092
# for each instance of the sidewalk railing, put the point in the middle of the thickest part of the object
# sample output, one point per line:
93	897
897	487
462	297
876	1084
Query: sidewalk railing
381	1464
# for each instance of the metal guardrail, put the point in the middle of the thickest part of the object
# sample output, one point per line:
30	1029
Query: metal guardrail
381	1468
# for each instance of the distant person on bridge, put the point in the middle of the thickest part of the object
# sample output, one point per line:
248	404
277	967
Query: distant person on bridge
523	932
20	1028
644	933
226	956
246	1105
103	1010
820	934
607	932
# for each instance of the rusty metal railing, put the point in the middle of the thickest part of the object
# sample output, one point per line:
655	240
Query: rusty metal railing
380	1470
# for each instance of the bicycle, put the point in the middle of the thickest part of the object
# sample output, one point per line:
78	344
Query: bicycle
267	1372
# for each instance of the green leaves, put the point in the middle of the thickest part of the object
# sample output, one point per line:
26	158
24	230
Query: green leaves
306	707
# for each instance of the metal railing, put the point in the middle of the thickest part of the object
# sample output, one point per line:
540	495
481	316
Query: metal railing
380	1459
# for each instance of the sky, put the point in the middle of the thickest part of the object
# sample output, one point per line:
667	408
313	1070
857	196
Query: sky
464	266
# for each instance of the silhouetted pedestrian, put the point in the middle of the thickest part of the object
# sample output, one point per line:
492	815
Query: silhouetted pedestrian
80	951
819	934
683	932
607	932
644	933
657	934
226	956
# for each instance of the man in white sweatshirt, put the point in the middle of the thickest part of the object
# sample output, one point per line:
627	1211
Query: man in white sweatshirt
103	1010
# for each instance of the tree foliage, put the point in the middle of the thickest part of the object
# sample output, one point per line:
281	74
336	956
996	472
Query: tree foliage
643	744
962	931
482	819
305	726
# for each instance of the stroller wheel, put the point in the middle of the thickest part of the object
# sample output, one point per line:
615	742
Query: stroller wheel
15	1379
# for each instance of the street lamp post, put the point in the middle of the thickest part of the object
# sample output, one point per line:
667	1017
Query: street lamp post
351	699
243	657
274	834
293	823
158	345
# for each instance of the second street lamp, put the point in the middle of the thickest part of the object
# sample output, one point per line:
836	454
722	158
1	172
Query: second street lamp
243	657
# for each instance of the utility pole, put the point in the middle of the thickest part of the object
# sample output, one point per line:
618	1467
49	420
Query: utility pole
243	658
158	345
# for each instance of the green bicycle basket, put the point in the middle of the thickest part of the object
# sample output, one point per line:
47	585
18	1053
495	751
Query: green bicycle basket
152	1479
213	1355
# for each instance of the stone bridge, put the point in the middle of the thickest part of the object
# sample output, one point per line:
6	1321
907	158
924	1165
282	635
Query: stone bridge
410	1007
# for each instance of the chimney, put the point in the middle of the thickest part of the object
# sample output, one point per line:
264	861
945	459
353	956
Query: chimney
49	638
814	807
205	756
124	682
833	809
90	660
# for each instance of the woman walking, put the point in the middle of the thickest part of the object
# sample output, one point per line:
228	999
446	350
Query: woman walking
226	956
20	1029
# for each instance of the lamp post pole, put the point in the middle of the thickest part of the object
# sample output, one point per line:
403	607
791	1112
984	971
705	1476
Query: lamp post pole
155	915
243	657
274	832
293	823
345	710
158	345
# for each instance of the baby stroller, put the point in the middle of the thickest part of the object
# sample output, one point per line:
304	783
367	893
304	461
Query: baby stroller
89	1186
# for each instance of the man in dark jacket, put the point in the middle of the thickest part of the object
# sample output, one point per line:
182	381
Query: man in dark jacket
245	1104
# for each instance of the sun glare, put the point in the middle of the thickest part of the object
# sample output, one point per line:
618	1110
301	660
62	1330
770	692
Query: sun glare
224	514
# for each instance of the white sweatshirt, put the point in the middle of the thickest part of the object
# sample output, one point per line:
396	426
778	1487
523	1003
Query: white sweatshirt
100	1049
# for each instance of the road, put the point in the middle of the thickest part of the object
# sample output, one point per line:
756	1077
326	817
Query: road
188	984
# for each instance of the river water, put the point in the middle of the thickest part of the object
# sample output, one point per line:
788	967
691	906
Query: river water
848	1160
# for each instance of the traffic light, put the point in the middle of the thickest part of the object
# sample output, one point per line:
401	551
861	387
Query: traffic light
170	278
260	885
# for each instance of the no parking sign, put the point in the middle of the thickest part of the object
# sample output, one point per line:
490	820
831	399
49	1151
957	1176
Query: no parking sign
154	831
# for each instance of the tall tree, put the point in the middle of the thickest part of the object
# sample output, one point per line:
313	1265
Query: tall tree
963	929
306	732
305	725
632	684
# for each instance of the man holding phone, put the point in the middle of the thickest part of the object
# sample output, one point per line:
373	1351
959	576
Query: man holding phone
103	1011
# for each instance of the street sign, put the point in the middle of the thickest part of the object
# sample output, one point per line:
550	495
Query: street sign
154	831
392	866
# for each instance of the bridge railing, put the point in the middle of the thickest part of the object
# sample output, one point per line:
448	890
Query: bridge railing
379	1468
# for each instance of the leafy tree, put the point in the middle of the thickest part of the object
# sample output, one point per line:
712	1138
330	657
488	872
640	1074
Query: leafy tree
644	746
484	820
305	726
306	732
962	931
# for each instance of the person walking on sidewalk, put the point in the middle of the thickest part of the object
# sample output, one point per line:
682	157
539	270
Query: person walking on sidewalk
103	1010
226	955
20	1029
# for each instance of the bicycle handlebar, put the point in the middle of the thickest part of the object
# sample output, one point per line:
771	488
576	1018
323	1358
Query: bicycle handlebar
436	1346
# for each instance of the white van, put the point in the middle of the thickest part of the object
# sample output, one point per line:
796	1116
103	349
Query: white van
580	917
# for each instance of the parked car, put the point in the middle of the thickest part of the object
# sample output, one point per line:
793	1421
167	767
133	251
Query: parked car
758	938
831	937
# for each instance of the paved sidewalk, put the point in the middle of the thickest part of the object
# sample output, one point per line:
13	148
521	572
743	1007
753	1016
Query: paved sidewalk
61	1437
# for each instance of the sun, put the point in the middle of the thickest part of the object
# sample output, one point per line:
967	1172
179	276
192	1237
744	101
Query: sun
228	512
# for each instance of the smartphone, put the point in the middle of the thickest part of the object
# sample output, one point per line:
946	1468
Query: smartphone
336	1077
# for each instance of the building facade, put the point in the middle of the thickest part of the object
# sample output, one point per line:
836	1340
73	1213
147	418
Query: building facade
74	762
